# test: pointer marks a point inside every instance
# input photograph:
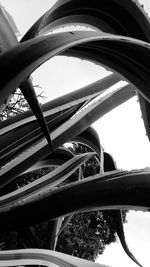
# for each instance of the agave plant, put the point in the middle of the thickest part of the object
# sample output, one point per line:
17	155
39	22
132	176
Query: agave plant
31	142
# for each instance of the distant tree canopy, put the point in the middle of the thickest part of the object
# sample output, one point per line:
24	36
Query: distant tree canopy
18	104
87	234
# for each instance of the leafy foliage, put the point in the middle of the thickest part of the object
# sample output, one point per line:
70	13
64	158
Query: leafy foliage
86	235
18	104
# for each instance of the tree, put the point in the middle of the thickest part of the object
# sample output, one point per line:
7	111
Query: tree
87	234
18	104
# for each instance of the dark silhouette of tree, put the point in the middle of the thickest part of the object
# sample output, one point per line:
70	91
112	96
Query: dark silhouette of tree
18	104
87	234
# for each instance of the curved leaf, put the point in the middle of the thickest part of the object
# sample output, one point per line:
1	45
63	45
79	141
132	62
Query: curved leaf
62	103
30	133
116	190
117	216
119	53
110	165
11	141
32	53
35	152
61	156
7	41
43	257
46	183
108	16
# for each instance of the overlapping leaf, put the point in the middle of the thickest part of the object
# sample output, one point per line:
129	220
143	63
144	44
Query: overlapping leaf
42	257
119	53
107	191
108	16
129	57
47	182
35	152
62	103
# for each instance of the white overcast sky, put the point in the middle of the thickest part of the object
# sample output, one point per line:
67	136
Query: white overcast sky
121	132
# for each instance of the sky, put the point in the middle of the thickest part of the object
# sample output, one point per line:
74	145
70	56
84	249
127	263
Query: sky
121	131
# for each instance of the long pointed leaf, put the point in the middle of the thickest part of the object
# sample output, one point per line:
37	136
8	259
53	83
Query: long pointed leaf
120	231
116	190
117	53
61	156
46	182
107	16
7	41
42	257
28	91
62	103
62	134
101	16
51	234
110	165
32	53
14	140
112	51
